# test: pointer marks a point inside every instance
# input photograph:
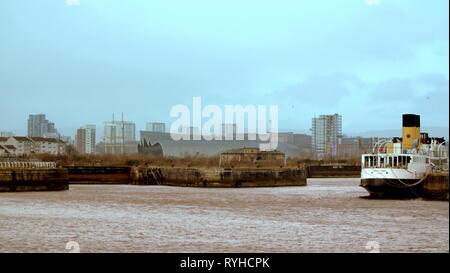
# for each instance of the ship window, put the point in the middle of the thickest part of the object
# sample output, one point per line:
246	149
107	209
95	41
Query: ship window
395	161
366	162
381	162
369	161
403	161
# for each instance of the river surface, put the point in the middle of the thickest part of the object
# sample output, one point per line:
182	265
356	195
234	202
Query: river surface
328	215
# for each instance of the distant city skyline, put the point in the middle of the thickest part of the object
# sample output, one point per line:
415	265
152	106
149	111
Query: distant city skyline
436	131
80	63
442	130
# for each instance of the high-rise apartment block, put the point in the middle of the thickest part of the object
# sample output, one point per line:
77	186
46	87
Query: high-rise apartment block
326	134
39	126
85	139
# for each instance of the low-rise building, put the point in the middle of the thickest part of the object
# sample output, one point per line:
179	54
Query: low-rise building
43	145
33	145
24	145
7	150
3	151
61	146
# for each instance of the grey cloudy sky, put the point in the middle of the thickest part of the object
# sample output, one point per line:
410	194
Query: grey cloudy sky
80	63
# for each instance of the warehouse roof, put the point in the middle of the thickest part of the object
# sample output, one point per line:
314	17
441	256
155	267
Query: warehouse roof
216	147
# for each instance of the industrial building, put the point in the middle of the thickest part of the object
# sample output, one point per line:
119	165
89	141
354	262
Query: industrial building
304	143
155	127
163	144
354	147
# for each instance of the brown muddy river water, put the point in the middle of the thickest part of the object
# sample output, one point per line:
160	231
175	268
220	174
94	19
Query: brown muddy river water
328	215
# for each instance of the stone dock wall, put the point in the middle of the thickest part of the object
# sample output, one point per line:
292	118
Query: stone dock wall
219	177
337	171
98	174
20	179
435	187
205	177
193	177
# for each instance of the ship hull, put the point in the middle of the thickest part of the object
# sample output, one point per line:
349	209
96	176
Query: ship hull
392	188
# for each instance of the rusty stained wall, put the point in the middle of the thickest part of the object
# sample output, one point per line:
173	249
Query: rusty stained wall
33	179
220	177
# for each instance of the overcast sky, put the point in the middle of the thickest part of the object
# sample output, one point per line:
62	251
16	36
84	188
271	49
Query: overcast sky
371	61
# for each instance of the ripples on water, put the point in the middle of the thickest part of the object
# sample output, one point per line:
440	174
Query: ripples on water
325	216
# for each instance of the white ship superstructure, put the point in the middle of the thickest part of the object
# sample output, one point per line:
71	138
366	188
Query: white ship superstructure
396	167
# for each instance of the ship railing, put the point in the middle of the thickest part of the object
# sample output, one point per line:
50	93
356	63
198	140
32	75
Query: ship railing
401	161
428	153
436	150
387	160
378	146
27	165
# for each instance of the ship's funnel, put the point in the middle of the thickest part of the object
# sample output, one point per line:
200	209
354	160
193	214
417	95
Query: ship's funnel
410	130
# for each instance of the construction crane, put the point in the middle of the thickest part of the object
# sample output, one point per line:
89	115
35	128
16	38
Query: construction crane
115	142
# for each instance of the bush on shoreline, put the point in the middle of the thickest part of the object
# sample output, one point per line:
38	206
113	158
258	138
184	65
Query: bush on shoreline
188	161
